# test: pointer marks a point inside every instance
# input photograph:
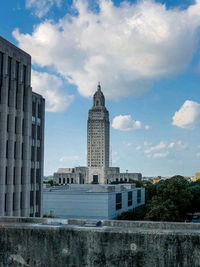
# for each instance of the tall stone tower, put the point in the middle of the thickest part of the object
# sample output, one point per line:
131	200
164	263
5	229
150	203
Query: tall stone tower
98	138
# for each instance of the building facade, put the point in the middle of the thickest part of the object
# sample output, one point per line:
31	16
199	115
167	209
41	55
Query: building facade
16	139
98	170
103	202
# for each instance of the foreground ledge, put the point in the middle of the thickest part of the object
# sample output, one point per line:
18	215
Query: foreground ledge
71	243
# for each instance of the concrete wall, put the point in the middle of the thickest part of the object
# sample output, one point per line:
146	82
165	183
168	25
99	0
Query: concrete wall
141	244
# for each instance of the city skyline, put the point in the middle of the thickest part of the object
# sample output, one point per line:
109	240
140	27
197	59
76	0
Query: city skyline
146	56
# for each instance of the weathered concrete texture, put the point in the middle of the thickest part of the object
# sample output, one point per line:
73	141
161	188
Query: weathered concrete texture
37	244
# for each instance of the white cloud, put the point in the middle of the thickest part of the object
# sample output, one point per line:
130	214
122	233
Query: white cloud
125	123
160	146
41	7
188	116
138	148
147	127
171	145
160	155
147	143
126	47
50	87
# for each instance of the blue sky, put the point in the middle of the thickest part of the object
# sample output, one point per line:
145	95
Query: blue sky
146	55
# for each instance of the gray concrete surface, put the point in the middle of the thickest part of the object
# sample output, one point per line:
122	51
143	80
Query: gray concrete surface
50	242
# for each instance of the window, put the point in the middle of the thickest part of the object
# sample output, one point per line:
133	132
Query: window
17	81
130	198
32	198
138	196
8	117
68	180
14	200
72	180
15	149
6	179
63	180
14	176
59	180
1	72
118	201
32	175
5	204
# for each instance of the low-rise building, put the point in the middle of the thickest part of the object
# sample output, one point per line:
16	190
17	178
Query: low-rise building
91	201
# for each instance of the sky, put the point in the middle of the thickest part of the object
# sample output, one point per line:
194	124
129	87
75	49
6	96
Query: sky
146	54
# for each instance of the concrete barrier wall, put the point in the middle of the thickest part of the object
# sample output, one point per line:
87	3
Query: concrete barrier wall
38	242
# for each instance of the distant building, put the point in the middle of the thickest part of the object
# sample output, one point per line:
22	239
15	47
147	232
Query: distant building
21	135
98	169
92	201
196	176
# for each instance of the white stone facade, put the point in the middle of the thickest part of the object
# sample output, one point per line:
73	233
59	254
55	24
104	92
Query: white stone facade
16	135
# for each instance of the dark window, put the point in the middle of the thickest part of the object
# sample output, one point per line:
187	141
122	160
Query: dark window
121	180
16	121
37	197
32	198
9	78
118	201
21	175
130	198
68	180
15	150
22	150
33	131
38	154
14	176
8	117
38	132
63	180
72	180
24	86
23	129
1	72
24	79
138	196
38	176
6	180
5	204
116	179
21	200
32	175
14	200
17	81
32	153
7	149
59	180
34	109
39	111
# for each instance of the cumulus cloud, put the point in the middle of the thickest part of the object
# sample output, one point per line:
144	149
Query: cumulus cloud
126	47
188	116
125	123
138	148
160	146
50	87
163	149
41	7
161	154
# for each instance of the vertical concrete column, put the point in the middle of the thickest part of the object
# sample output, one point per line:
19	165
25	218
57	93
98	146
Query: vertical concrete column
11	140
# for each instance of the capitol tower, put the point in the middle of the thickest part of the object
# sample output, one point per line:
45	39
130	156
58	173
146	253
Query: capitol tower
98	138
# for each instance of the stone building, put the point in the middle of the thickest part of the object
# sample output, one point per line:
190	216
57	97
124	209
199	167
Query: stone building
92	201
21	135
98	169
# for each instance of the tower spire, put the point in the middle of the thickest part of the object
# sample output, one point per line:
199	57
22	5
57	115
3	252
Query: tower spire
99	86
